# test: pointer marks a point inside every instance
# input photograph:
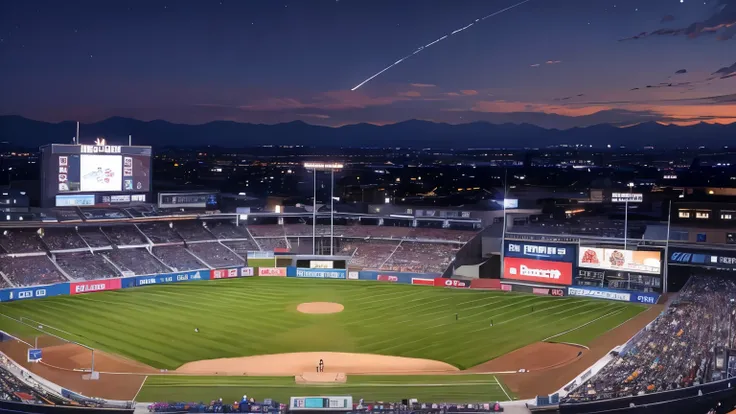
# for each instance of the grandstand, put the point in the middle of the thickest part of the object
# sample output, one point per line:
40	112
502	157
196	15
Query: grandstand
677	350
41	254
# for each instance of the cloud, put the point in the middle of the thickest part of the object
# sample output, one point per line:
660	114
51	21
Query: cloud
681	71
469	92
318	116
723	19
726	72
553	62
410	94
422	85
535	65
453	94
667	18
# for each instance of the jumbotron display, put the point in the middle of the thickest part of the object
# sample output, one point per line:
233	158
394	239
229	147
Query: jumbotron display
83	175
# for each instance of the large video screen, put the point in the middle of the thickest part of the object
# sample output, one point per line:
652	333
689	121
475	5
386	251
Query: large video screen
70	169
619	259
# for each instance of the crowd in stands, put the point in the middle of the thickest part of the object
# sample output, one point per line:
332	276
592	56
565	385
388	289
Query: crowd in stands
242	247
224	230
193	230
268	406
62	239
385	247
160	232
420	257
21	241
272	243
178	258
136	261
94	237
26	391
216	254
368	253
125	235
86	266
676	350
30	270
362	231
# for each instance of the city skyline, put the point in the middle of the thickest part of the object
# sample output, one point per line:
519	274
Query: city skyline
553	63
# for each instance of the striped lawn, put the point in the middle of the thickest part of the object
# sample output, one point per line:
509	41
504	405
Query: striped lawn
454	388
252	316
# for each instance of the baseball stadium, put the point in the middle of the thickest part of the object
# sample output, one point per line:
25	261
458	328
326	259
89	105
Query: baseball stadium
148	307
383	318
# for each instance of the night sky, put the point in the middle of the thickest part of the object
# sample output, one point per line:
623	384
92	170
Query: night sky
554	63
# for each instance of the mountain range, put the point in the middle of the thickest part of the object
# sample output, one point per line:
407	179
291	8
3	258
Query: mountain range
27	133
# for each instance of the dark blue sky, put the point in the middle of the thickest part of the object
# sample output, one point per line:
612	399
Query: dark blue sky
555	63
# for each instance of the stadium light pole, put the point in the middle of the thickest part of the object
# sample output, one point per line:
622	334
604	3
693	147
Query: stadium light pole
626	215
323	166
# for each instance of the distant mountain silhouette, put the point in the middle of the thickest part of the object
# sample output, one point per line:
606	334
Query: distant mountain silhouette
28	133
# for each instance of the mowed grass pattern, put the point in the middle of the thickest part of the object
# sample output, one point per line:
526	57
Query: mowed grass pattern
254	316
456	388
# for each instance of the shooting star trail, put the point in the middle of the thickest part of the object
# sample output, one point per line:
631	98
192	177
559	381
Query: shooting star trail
421	48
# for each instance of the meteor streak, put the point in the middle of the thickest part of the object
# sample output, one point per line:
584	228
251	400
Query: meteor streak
421	48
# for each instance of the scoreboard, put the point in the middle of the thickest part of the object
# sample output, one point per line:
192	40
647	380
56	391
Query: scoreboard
99	174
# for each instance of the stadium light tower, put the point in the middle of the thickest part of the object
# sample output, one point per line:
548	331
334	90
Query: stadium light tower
331	167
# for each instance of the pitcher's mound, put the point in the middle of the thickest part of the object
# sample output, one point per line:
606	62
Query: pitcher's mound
320	307
321	378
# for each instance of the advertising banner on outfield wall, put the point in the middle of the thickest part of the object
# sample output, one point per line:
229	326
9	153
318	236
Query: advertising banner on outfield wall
645	297
353	275
454	283
320	273
402	277
556	252
538	290
223	273
272	271
173	277
540	271
422	282
246	271
485	284
36	292
76	288
387	278
599	293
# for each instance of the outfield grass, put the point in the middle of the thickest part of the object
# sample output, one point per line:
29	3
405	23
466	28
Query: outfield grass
252	316
455	388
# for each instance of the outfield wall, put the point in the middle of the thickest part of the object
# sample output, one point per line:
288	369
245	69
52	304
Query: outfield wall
101	285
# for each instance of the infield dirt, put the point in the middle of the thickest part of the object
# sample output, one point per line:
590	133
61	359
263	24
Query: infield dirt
320	308
300	362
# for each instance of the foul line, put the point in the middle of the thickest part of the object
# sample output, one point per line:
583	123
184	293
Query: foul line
502	388
135	397
583	325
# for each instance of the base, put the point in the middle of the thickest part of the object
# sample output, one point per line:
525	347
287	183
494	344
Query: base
92	376
321	378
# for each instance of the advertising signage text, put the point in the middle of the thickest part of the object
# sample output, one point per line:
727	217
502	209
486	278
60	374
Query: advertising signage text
599	293
540	271
321	273
541	251
454	283
703	258
76	288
